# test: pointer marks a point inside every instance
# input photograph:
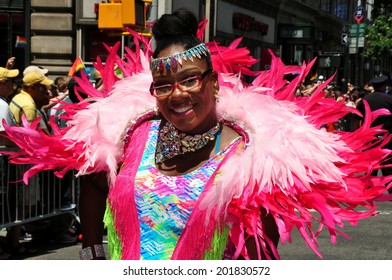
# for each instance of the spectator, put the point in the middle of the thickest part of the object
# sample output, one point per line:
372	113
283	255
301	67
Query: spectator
67	88
34	95
6	88
35	69
10	63
42	111
320	79
379	100
12	245
62	95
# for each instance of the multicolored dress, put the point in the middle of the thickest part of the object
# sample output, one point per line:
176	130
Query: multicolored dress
164	203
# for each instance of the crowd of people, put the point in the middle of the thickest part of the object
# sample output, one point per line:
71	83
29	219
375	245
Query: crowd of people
182	160
29	95
351	95
376	94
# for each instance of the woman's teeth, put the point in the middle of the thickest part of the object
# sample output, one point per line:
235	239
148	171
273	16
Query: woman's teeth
182	109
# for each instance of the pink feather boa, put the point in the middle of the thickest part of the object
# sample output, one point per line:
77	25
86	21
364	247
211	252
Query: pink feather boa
291	166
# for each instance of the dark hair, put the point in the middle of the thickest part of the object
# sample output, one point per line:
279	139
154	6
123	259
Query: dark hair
179	28
71	91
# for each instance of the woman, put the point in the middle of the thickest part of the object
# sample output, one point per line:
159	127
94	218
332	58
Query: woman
186	94
204	167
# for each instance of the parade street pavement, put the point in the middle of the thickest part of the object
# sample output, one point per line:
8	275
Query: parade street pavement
370	240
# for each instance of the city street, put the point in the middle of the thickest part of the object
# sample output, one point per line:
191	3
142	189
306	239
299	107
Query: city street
370	240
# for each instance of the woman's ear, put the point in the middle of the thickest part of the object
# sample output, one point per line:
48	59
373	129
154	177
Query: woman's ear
214	76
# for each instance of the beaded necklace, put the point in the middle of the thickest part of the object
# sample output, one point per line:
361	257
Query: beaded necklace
172	142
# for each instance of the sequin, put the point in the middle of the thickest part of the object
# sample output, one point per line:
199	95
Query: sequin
172	142
167	62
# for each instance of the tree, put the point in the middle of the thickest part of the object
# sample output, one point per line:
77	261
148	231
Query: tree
379	38
382	7
379	33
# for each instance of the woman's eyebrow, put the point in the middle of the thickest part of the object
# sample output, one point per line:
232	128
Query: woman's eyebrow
184	72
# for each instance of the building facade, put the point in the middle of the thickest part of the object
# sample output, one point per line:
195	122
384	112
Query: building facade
57	31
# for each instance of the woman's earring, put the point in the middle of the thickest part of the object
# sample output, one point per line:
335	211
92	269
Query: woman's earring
216	95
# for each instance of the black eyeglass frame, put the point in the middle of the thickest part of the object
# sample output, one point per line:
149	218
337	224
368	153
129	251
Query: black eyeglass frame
175	85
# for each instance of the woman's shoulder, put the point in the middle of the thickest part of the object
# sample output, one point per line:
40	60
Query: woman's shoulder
229	134
148	117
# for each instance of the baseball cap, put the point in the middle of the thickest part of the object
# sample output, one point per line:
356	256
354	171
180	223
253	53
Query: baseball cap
36	78
321	78
7	73
33	68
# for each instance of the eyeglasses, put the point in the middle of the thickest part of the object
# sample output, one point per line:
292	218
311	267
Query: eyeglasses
187	84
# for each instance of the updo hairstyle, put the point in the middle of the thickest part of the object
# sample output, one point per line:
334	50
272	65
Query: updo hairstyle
179	28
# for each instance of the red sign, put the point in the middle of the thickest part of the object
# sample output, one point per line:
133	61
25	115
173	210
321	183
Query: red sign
358	16
247	23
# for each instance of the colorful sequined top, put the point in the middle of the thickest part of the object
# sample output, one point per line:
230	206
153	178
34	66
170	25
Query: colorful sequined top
164	203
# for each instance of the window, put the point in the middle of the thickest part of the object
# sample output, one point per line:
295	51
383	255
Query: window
325	5
341	9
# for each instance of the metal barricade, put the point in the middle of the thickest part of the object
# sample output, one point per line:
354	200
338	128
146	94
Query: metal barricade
44	196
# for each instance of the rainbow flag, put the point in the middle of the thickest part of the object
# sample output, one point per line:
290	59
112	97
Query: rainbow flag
76	66
21	42
315	75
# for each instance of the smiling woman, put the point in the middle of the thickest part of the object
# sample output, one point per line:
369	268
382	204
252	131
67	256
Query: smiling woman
184	149
192	110
184	161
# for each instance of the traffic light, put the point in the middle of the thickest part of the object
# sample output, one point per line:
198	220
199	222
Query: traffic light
110	16
116	15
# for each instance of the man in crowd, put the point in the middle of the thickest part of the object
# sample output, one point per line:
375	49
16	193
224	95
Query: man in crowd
6	88
34	95
379	99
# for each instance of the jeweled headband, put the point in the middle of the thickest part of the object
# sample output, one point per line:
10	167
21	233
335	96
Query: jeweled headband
171	62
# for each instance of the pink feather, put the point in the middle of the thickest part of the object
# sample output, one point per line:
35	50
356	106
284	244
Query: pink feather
289	166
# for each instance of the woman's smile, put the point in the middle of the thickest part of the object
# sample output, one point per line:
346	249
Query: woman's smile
182	109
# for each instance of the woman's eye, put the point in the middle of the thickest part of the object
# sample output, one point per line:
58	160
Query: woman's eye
165	88
189	82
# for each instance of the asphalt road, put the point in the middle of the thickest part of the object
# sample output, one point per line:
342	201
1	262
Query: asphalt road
370	240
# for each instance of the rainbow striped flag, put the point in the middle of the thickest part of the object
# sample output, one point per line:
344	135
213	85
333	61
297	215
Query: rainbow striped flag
21	42
76	66
315	75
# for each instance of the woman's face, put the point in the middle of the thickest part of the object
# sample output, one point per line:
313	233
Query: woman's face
192	111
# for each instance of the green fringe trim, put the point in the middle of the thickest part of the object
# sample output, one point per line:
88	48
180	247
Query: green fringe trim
114	243
218	245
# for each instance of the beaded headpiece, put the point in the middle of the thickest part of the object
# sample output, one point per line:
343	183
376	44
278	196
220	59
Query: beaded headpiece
171	62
